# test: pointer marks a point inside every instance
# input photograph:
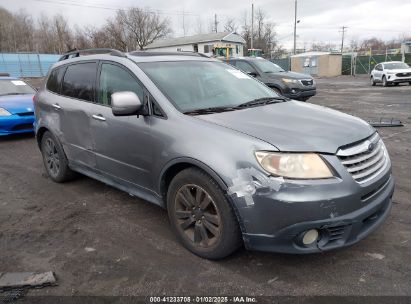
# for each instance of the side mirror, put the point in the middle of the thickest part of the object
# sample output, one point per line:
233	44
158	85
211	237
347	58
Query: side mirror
253	74
125	103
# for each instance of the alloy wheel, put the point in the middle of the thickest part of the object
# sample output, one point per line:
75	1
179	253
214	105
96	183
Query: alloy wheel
197	216
51	157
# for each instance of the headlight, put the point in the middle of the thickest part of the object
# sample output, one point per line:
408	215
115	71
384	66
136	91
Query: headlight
4	112
288	80
294	165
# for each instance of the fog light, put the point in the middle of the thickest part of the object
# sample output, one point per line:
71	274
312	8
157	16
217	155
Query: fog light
293	91
310	236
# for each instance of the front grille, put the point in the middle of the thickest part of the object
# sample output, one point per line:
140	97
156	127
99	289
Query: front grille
365	160
307	82
27	126
25	114
403	74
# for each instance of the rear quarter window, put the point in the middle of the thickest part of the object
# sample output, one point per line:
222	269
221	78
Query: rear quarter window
79	81
54	80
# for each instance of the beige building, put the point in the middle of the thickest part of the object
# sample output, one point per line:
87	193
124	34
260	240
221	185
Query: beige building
321	64
209	44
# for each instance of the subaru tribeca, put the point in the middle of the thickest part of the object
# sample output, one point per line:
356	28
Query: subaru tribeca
232	161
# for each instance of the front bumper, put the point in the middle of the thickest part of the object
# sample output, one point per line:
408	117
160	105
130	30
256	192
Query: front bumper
342	211
396	79
298	93
15	124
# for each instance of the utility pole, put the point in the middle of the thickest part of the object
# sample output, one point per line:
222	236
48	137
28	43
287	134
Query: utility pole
184	25
215	23
342	40
295	27
252	25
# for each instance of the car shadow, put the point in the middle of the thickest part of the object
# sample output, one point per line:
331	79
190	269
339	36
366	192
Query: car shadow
17	137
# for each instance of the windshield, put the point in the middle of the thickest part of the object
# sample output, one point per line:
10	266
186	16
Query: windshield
267	66
195	85
396	65
14	87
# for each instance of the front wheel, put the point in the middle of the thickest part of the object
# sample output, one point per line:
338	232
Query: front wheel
372	81
54	159
201	215
384	81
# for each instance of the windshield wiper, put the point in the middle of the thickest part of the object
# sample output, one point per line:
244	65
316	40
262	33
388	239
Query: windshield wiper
262	101
209	110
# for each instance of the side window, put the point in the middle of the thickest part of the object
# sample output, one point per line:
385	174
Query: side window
54	81
79	81
232	62
116	79
246	67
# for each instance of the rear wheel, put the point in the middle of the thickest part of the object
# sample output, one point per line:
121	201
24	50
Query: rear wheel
372	81
384	81
54	159
201	216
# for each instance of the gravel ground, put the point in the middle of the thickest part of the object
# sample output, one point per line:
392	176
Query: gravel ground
101	241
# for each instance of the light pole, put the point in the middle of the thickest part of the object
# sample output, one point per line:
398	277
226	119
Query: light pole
295	26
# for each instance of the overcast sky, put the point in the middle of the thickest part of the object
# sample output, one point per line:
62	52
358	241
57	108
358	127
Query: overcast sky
321	20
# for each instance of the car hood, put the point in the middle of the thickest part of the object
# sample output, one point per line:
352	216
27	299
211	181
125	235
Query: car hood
291	75
295	126
17	103
400	71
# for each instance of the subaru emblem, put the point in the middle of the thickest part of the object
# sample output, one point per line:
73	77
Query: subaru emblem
371	147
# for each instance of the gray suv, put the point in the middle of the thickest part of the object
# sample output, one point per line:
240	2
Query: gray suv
233	162
290	84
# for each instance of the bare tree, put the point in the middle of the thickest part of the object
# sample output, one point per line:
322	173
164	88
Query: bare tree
230	25
142	26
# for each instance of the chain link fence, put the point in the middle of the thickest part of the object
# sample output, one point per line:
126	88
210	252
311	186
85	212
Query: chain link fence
364	64
27	64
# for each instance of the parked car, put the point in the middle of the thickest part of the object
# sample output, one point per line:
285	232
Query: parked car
393	72
16	106
231	160
290	84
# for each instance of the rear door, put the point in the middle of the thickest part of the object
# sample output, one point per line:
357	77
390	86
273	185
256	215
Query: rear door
74	106
123	144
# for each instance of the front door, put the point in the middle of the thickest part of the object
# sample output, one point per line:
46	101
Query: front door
122	143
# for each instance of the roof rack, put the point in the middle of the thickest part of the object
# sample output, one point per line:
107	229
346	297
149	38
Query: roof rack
178	53
76	53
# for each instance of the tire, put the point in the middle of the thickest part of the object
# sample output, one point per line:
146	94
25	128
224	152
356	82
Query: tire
372	81
278	91
201	216
384	81
54	159
409	83
396	83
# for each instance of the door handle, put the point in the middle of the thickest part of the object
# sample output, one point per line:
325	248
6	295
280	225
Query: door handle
99	117
56	106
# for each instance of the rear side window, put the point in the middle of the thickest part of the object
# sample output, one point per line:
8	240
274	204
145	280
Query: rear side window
244	66
55	78
79	81
116	79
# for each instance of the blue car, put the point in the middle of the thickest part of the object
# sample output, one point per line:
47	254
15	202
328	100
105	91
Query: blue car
16	106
